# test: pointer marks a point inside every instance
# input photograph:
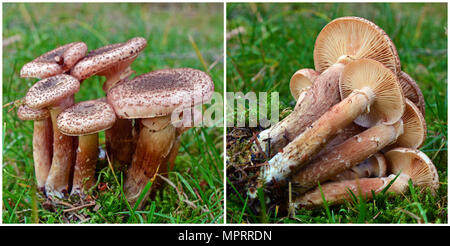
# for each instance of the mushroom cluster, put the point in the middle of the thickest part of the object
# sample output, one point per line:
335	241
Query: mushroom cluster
135	115
357	124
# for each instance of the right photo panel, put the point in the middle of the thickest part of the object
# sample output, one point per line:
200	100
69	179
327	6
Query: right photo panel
336	113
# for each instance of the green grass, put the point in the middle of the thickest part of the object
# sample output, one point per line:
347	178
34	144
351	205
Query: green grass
279	39
178	35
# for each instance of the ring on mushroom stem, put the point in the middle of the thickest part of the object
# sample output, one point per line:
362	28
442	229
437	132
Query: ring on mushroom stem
371	94
340	41
54	62
153	97
114	62
85	120
42	142
408	132
56	94
406	163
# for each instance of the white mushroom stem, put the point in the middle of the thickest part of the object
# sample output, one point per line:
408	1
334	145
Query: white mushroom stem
297	153
346	155
152	150
338	192
57	184
85	164
323	94
42	150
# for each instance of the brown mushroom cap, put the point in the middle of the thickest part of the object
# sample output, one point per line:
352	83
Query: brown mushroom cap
301	80
356	38
411	90
414	127
160	92
51	90
107	57
86	118
389	101
54	62
26	113
415	164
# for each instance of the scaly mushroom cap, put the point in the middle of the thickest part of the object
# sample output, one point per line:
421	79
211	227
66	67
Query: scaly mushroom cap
389	103
412	91
160	92
54	62
107	57
26	113
51	90
414	127
301	80
86	118
415	164
356	38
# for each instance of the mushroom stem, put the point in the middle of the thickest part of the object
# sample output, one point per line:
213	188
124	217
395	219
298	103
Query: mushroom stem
42	150
85	164
346	155
297	153
119	142
57	184
117	73
337	192
152	150
374	166
323	94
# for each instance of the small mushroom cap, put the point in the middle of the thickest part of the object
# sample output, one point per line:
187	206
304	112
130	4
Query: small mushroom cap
160	92
356	38
301	80
47	92
415	164
54	62
108	57
86	118
411	90
26	113
389	103
414	127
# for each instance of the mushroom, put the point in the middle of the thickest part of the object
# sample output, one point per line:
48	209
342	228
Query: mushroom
301	81
374	166
407	132
370	92
153	97
42	142
113	62
54	62
85	120
408	164
56	94
412	91
341	41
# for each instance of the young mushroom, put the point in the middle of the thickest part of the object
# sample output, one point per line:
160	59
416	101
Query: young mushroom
408	164
153	97
114	62
42	142
371	94
374	166
56	94
408	132
301	81
54	62
85	120
340	41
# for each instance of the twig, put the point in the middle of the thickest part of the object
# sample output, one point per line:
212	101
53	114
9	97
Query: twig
79	207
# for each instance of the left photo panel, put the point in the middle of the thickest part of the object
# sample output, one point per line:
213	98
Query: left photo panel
113	113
